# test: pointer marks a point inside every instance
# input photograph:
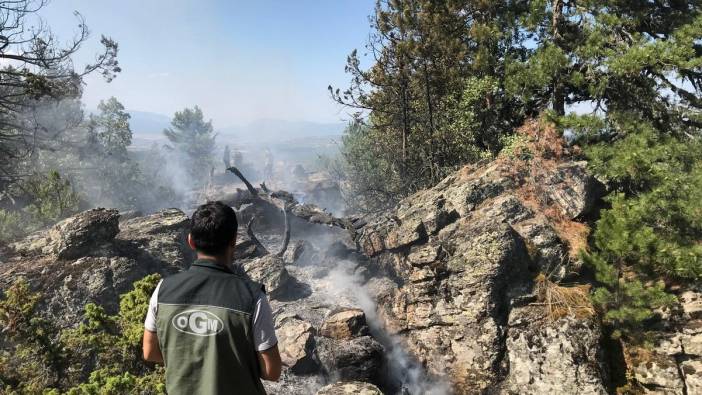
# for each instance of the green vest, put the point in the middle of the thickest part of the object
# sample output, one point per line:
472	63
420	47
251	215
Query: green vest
204	327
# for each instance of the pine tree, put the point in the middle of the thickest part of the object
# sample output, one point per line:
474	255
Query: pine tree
639	66
451	79
108	131
194	139
431	57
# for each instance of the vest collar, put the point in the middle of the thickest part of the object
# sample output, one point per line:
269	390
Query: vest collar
210	264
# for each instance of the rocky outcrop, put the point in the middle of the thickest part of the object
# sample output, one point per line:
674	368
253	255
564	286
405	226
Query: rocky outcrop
546	356
672	362
445	282
461	254
91	257
74	236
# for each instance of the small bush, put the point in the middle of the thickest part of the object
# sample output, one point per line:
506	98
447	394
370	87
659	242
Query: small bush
11	226
101	356
51	197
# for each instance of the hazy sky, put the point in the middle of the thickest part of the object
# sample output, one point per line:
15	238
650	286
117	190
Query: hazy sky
238	60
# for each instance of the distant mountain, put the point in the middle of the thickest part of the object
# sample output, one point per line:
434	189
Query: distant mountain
149	126
145	123
275	130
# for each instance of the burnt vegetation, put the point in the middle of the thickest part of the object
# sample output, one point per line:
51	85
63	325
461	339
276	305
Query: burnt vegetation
527	95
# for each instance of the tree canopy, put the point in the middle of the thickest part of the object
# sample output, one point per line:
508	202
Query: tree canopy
193	138
36	68
451	80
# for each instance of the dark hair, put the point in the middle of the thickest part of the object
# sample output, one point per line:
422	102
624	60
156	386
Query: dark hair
212	227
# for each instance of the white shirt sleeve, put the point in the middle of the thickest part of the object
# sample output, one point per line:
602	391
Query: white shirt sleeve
263	327
150	322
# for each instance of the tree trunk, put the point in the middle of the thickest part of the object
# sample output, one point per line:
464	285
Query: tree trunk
558	99
430	110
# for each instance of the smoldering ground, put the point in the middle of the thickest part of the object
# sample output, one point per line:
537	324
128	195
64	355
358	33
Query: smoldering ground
328	275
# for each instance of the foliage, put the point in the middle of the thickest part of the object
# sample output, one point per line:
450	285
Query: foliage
110	177
101	356
37	68
194	139
434	99
374	178
51	197
649	238
11	226
95	153
451	80
30	360
109	132
637	64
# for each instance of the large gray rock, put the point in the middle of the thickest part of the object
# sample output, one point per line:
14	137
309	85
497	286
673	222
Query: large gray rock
75	268
559	356
462	252
296	344
356	359
672	364
73	237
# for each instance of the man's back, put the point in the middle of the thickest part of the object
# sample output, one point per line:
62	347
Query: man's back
204	326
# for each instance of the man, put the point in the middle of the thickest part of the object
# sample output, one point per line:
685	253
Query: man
211	325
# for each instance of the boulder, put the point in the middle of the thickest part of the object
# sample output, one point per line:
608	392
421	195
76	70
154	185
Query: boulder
572	188
296	343
269	271
672	364
345	324
75	236
356	359
353	387
160	236
73	268
553	356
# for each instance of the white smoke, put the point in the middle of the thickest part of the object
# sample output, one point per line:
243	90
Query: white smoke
346	284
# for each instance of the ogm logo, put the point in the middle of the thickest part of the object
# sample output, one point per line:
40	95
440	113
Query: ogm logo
198	323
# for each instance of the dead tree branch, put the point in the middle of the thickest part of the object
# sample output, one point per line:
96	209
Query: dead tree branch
260	248
286	236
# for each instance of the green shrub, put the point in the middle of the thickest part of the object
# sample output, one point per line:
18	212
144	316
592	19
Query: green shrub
649	236
100	356
51	197
11	226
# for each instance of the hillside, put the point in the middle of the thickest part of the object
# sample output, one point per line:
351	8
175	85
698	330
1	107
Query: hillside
453	291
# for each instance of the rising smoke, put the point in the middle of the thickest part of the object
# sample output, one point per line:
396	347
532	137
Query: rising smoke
405	371
347	283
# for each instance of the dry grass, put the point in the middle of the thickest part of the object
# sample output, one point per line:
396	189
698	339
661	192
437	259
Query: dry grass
574	234
561	301
545	149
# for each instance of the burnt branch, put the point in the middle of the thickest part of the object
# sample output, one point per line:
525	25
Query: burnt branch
250	187
260	248
286	236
